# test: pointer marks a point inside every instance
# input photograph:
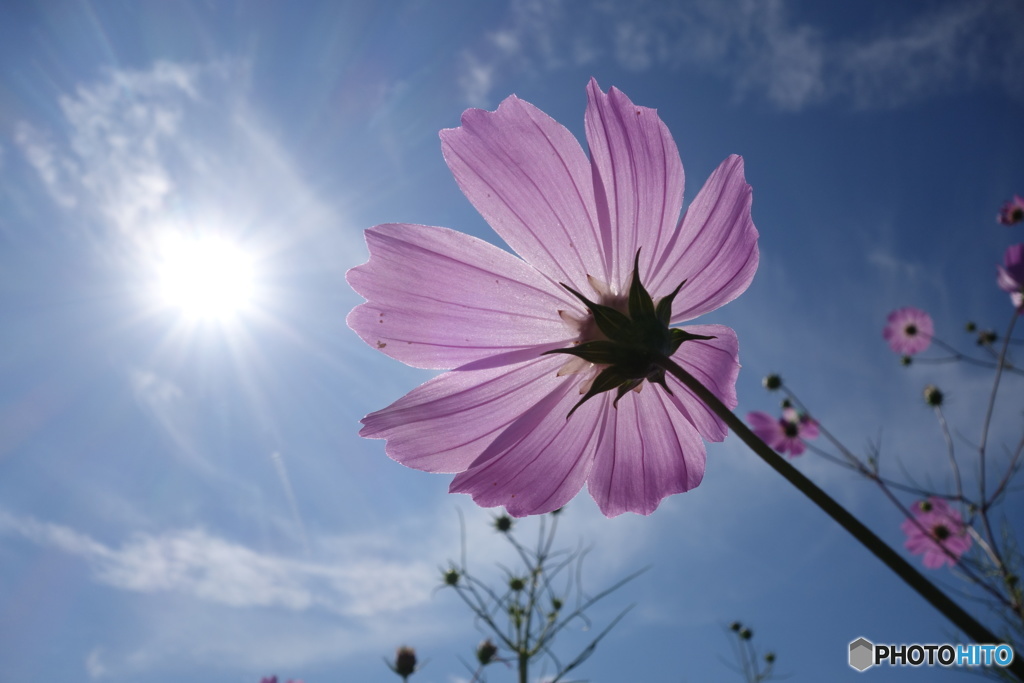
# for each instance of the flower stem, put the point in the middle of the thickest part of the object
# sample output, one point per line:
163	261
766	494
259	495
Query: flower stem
882	551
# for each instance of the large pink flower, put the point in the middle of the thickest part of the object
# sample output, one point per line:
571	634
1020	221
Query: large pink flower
937	526
908	330
441	299
1011	275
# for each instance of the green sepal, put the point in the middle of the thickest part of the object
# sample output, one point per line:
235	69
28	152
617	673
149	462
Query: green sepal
641	305
608	379
599	352
679	336
612	324
664	310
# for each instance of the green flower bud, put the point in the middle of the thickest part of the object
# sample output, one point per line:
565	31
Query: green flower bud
451	577
485	652
772	382
405	662
503	523
932	396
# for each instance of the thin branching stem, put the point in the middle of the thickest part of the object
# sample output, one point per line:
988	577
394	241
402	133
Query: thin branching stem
872	542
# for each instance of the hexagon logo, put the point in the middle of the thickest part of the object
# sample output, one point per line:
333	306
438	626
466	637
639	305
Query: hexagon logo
862	654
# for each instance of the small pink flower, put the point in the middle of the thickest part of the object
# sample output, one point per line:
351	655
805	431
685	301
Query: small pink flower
1011	275
934	527
785	434
909	330
526	416
1012	212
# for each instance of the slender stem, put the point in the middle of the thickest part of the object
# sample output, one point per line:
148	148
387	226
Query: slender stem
881	550
950	451
991	406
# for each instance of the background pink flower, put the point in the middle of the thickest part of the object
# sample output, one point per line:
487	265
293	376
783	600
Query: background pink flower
909	330
441	299
785	434
1011	274
1012	212
937	526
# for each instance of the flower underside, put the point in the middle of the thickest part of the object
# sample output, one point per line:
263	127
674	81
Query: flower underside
632	343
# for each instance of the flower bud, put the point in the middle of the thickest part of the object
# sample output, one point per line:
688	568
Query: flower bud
485	652
932	396
772	382
735	626
516	584
970	327
503	523
906	360
987	338
405	661
770	658
746	634
451	577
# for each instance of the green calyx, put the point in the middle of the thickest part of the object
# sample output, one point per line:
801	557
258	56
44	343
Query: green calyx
634	343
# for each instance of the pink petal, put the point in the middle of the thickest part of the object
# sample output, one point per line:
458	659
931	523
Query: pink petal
767	428
437	298
715	364
540	462
796	446
714	249
638	179
648	451
528	177
446	423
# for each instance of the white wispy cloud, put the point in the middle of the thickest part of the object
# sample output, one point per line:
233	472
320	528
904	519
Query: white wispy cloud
763	48
201	565
177	146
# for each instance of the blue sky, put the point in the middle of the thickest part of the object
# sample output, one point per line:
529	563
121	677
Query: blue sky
188	499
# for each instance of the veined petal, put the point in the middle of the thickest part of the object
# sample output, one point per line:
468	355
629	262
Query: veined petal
714	249
638	178
649	450
529	178
715	364
767	428
445	424
541	461
437	298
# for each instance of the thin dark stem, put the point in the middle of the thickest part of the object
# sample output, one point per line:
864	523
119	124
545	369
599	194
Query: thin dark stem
950	451
991	407
881	550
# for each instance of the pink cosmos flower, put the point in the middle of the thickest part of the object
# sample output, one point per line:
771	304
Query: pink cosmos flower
938	526
526	417
1011	275
1012	212
909	330
784	434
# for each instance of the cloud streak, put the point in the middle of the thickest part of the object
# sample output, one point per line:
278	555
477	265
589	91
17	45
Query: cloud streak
762	48
203	566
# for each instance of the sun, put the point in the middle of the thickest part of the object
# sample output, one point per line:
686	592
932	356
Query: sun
205	278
